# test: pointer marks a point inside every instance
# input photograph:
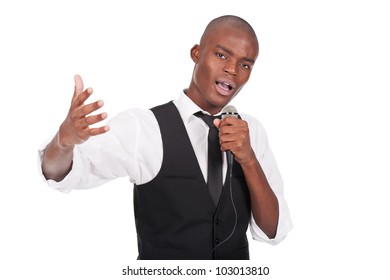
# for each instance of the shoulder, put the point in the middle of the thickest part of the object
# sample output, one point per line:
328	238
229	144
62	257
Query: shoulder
133	122
131	116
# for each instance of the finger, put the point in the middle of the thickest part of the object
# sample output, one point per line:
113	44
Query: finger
81	98
99	130
229	137
89	108
227	147
231	121
95	119
78	86
233	130
232	124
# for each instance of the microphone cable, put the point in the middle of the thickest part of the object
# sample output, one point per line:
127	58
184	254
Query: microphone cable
229	156
227	112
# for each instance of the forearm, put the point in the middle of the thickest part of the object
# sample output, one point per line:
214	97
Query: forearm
57	160
264	203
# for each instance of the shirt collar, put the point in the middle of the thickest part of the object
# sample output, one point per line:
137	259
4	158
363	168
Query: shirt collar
187	108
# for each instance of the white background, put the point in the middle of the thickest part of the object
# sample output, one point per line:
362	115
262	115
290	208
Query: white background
320	87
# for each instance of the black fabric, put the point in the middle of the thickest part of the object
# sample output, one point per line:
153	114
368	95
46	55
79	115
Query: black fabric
214	161
175	215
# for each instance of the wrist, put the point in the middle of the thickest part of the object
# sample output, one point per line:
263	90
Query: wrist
61	145
249	161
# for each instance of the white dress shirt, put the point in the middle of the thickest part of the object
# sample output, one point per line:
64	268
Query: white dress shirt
133	148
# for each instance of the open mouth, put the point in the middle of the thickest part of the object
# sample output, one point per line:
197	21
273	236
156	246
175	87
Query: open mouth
224	85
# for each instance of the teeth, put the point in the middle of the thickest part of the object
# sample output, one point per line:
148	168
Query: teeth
226	85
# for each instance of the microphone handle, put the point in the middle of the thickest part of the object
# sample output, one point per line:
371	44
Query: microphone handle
229	154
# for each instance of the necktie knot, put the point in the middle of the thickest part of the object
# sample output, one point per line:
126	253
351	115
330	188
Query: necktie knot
207	119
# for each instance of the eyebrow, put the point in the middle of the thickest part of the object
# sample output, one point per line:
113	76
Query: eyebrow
229	52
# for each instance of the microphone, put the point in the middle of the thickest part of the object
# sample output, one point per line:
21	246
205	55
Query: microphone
229	111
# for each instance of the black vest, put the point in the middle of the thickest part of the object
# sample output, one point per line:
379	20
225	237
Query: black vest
174	213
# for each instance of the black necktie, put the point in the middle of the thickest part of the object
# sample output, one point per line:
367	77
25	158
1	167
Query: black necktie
214	163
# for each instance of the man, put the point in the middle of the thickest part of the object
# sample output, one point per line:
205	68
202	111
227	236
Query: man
164	152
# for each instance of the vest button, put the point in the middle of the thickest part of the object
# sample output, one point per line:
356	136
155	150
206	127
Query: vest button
218	258
218	222
217	241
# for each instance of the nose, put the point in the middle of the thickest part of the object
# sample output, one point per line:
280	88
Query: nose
230	68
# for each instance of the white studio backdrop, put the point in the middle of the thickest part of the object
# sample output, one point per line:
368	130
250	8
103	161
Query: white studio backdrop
320	87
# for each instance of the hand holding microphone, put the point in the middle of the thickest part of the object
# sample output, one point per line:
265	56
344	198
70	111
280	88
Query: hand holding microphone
234	136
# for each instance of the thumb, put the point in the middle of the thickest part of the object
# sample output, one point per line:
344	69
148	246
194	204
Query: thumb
217	122
78	85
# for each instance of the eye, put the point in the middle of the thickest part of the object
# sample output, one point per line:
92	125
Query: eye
246	66
220	55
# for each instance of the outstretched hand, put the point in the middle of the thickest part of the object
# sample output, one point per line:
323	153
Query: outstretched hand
76	127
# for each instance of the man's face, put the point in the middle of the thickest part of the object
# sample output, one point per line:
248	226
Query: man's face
223	64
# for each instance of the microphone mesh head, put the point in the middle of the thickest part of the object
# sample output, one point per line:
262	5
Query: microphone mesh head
230	110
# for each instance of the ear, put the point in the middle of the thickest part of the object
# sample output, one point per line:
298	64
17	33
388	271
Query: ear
195	53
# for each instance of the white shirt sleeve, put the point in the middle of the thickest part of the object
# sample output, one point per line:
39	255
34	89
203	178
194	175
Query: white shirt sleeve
260	145
125	150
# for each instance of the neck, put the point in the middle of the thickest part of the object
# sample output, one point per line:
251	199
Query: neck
207	107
